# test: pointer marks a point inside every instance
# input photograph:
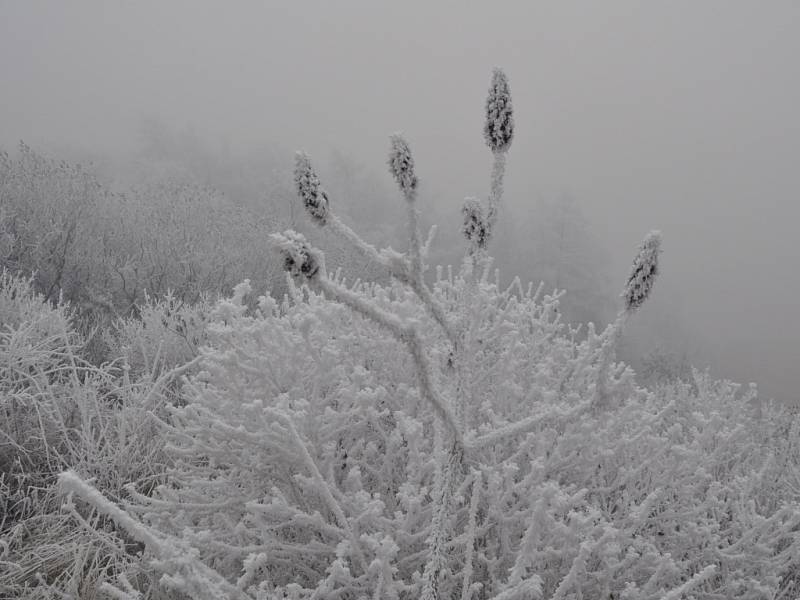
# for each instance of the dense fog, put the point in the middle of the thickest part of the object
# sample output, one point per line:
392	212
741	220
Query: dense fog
631	116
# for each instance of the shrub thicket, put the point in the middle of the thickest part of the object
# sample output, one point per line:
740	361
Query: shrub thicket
59	412
105	252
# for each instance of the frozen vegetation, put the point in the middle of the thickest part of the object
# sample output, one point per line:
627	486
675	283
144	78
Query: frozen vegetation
426	434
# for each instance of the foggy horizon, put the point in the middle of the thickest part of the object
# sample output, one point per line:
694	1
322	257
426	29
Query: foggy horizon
677	116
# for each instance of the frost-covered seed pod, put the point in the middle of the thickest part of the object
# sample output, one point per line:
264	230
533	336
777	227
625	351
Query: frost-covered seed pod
314	197
644	272
299	258
499	127
475	227
401	164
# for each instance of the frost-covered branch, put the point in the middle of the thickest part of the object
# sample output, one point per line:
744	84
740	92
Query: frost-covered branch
405	333
407	270
182	569
525	425
466	579
323	487
440	532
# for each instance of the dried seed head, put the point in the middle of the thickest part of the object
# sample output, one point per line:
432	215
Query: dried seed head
299	258
401	164
644	272
499	127
475	226
315	199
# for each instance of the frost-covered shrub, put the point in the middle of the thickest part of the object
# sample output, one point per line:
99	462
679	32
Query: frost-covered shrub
307	453
104	252
58	412
661	367
455	440
182	238
46	220
166	334
37	345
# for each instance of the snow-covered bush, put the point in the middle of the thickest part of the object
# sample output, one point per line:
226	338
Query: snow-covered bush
441	437
37	345
660	367
104	252
166	334
182	238
58	412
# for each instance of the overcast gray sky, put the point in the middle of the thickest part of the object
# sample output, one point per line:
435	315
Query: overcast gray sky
679	115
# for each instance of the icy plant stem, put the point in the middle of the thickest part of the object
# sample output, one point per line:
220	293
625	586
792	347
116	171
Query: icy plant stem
182	569
440	534
416	280
411	276
698	578
407	334
333	505
70	482
415	246
609	341
368	250
436	310
496	188
477	482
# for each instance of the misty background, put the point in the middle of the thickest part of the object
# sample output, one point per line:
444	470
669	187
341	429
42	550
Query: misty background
630	116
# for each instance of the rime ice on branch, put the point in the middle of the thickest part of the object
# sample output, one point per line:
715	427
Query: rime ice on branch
407	268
